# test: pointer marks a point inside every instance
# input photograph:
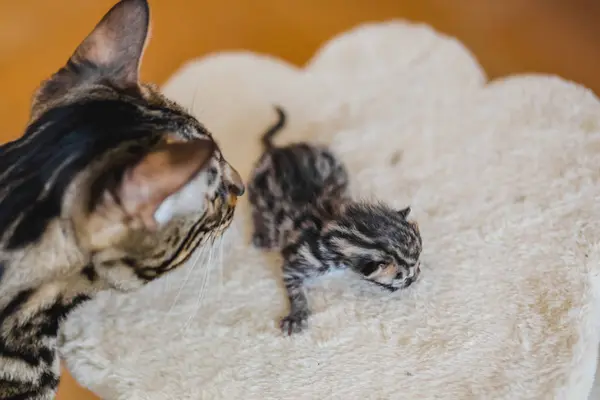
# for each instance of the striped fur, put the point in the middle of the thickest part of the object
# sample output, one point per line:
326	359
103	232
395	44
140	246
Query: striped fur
285	179
373	240
110	187
300	206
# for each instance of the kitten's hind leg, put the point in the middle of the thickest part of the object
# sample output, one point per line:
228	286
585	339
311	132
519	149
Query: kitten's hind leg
294	275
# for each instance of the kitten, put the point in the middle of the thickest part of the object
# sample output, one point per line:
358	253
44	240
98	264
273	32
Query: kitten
301	206
287	178
111	186
371	239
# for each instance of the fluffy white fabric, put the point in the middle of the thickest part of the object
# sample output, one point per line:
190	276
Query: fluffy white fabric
503	177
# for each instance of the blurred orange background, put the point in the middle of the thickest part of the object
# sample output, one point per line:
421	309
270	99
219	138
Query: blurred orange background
507	36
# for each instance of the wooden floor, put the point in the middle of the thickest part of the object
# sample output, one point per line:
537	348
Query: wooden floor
37	36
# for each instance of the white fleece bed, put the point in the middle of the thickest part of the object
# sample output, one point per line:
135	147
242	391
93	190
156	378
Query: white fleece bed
503	178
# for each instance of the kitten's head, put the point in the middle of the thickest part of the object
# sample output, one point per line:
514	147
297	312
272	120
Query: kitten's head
380	243
111	168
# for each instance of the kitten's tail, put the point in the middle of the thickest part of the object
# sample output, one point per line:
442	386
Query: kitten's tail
267	138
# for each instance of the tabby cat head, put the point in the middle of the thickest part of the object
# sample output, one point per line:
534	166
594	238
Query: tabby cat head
110	177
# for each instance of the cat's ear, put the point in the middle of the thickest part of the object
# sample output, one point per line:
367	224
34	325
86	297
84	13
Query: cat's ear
115	47
404	212
132	200
111	53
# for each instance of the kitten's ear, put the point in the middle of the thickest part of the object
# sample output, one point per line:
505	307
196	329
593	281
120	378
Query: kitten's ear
404	212
132	201
112	53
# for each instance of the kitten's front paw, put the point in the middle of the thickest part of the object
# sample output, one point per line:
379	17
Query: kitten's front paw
294	323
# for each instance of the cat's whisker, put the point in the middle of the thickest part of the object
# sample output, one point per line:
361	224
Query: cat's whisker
191	108
191	268
220	266
207	271
201	292
220	261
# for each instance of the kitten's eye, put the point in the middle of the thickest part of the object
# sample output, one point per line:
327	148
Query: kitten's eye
371	267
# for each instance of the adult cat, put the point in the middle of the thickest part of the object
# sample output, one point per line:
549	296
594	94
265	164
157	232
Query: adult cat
110	186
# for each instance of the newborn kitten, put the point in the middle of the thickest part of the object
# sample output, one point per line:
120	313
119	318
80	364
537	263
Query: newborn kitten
301	206
287	178
373	240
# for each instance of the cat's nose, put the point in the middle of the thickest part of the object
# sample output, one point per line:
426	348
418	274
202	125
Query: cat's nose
237	189
236	184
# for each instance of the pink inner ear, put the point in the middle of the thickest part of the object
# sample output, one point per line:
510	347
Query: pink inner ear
118	41
160	174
